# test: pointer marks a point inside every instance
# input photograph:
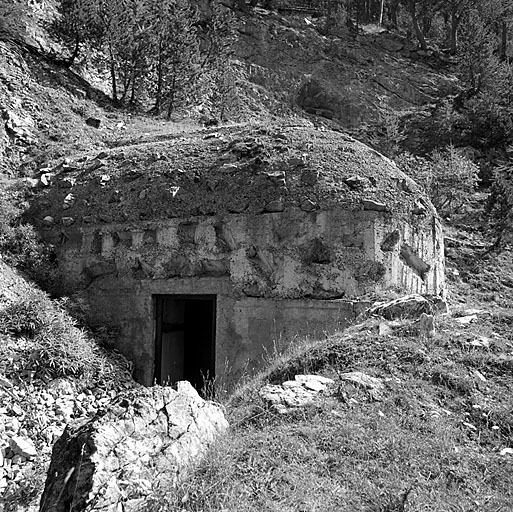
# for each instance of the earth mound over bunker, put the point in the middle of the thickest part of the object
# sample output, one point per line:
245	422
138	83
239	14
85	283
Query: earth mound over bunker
288	228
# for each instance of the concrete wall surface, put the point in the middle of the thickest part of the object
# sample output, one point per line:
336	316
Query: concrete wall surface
276	276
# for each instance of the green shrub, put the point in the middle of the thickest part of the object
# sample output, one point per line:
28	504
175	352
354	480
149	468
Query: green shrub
43	337
22	319
20	245
447	176
501	202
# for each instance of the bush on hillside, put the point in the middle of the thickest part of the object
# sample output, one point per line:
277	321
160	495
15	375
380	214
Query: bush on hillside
447	176
20	245
501	202
39	335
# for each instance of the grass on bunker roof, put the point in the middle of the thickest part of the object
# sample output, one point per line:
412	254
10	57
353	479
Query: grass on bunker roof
433	441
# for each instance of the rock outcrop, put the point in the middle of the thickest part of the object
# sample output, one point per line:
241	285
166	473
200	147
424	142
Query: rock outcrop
147	439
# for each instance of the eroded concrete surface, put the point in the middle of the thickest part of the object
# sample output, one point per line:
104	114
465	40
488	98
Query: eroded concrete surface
291	229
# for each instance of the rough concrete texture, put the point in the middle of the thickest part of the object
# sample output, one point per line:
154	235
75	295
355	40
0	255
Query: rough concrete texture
289	227
148	439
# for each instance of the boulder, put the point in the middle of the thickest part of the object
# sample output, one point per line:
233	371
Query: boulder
23	446
147	438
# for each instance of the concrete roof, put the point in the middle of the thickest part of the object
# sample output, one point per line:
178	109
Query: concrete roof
255	169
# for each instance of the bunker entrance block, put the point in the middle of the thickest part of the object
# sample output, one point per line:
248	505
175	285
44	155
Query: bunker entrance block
209	250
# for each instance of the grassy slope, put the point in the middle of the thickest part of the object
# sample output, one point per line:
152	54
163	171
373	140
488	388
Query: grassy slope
433	443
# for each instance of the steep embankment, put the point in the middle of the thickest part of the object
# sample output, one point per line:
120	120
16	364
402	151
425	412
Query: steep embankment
51	372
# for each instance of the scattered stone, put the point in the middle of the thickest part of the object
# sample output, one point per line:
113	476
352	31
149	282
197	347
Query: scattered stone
275	206
384	329
506	451
356	182
229	168
293	394
307	205
465	320
23	446
46	179
69	201
68	221
374	385
94	165
374	206
92	121
148	435
104	179
481	342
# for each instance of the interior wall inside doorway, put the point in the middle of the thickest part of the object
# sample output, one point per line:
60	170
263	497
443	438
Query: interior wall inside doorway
186	348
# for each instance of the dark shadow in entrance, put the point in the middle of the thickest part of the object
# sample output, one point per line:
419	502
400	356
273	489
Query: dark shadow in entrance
185	338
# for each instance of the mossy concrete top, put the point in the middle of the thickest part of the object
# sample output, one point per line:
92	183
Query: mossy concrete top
228	170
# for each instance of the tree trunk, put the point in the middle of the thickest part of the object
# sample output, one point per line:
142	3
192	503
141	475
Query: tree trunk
74	55
113	75
503	50
416	27
160	78
393	11
454	32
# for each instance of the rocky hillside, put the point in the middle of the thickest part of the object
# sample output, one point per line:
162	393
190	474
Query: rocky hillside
437	435
346	78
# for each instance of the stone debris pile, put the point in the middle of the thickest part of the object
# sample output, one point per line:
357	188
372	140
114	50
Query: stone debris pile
306	389
292	394
33	415
147	439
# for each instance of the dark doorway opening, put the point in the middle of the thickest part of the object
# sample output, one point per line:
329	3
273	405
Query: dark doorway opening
185	339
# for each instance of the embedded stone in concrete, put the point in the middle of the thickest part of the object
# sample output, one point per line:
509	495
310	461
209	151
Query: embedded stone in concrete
410	306
414	261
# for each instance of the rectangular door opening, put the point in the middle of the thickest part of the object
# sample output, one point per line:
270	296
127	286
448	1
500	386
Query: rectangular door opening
185	339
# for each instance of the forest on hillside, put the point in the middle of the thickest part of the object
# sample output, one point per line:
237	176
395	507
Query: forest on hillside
159	56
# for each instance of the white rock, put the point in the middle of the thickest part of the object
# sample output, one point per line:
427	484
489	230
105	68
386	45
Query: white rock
23	446
363	380
291	384
315	385
312	378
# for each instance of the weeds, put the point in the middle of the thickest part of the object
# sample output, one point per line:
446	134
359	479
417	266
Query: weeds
45	339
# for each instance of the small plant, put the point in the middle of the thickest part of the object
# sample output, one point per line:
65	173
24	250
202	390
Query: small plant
20	245
50	343
22	319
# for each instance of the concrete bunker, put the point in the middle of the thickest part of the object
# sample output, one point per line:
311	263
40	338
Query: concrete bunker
264	234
